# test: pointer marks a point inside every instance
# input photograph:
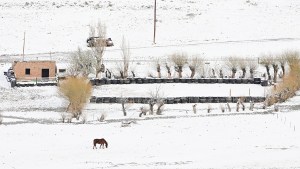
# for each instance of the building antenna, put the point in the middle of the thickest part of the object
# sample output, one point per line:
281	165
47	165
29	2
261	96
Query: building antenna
24	45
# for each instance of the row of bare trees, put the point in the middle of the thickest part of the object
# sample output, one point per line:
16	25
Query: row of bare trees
196	64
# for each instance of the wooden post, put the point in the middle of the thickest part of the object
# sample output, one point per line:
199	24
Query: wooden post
154	33
24	46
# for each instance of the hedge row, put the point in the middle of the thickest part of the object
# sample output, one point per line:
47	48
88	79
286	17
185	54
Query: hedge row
175	100
105	81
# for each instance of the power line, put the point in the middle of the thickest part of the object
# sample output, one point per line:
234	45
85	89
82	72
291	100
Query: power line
208	43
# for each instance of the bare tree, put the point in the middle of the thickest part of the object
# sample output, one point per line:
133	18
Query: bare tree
99	47
179	60
243	65
266	61
81	63
168	70
194	64
155	99
252	67
126	103
275	66
282	60
124	67
232	63
160	106
158	67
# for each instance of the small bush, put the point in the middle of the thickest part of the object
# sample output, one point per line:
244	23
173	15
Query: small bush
102	117
291	82
143	111
195	108
77	91
209	108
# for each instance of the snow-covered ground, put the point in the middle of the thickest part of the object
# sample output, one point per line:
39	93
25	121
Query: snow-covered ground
32	135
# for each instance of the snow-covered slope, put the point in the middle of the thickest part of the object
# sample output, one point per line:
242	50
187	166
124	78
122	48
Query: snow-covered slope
212	28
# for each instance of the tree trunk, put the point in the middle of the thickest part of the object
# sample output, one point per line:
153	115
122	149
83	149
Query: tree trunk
244	72
193	70
251	73
233	73
122	74
275	68
158	71
283	70
221	74
159	108
268	72
168	70
228	106
151	105
180	71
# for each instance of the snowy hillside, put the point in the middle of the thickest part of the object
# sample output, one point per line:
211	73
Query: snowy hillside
210	28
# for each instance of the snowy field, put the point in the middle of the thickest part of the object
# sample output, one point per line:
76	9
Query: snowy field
32	135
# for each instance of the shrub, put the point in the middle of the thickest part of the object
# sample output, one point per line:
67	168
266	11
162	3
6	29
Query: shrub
102	117
195	108
77	91
179	60
291	82
209	108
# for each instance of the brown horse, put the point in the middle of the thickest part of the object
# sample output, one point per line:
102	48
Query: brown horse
101	141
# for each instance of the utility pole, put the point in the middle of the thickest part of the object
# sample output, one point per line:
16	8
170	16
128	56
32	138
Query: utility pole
154	22
24	46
